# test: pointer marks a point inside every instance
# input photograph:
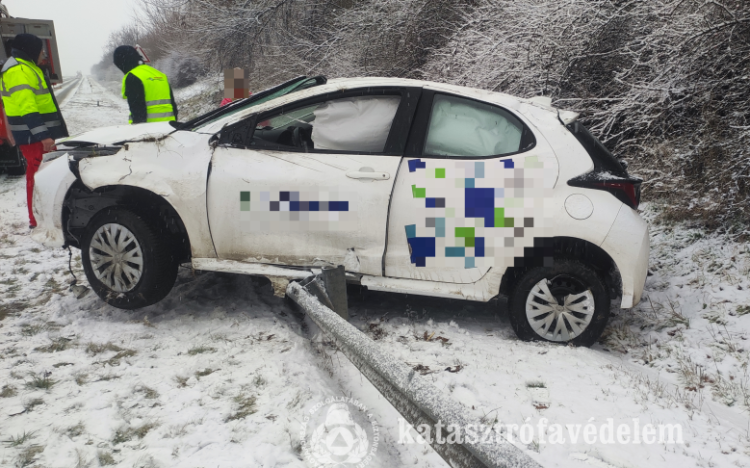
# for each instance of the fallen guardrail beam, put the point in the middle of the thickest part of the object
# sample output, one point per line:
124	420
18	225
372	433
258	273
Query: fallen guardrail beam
418	401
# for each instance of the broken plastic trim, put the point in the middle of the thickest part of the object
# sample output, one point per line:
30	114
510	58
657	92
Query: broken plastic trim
83	152
76	156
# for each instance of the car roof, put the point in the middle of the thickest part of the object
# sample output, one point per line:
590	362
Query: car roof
340	84
476	93
359	82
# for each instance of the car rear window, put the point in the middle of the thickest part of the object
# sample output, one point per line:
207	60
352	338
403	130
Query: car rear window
467	128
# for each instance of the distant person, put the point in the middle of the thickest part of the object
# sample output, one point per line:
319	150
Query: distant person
33	114
236	86
147	89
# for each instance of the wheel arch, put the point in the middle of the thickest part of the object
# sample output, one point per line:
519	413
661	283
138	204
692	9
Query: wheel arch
82	204
545	250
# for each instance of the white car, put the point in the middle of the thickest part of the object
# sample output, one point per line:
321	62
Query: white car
415	187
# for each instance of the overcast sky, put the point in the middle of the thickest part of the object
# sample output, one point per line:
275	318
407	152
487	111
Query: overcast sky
82	26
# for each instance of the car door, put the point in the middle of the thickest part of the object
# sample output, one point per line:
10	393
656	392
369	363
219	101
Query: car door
309	183
470	191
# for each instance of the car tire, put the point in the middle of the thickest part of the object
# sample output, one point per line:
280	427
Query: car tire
580	309
128	264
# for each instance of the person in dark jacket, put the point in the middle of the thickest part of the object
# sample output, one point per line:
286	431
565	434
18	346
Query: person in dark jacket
33	114
147	90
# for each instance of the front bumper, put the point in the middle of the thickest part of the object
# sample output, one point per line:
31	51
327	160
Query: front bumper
628	244
51	183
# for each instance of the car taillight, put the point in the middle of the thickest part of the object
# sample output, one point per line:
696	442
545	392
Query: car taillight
627	191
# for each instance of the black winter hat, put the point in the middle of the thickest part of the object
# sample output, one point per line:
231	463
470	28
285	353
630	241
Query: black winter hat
28	44
126	58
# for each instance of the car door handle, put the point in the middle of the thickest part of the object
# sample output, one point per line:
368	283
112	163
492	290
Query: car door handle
364	173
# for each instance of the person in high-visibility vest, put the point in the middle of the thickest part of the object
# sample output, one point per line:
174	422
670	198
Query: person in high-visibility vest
147	89
33	115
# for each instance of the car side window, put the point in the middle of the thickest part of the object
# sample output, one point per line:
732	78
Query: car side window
353	124
467	128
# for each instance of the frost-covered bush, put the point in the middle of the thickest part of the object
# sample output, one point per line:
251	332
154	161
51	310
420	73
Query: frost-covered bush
277	39
664	83
182	69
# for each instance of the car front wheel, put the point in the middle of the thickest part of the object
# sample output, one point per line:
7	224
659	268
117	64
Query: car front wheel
126	262
565	303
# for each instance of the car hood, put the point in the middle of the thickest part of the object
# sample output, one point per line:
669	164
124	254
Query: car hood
108	136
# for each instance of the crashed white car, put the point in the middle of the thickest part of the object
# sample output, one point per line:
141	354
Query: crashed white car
415	187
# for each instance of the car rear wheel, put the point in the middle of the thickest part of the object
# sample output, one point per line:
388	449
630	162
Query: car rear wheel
126	262
567	303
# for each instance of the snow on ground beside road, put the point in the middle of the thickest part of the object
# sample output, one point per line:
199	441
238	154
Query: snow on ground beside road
217	374
93	106
221	373
200	97
680	357
472	354
694	323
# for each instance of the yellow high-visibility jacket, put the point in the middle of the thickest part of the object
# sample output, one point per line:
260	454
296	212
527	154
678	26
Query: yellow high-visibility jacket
33	114
158	94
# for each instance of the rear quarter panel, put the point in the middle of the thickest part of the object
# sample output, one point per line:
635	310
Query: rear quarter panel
573	161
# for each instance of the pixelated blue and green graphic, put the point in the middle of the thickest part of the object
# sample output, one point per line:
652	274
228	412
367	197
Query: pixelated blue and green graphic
478	203
244	201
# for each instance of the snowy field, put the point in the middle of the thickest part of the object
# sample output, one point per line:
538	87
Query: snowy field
221	373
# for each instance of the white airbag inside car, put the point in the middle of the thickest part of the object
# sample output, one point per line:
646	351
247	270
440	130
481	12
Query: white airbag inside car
354	124
464	128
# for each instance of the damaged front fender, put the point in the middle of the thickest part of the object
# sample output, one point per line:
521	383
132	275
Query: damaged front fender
52	183
174	168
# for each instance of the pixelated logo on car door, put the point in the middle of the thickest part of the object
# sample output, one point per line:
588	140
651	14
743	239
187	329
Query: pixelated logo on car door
468	213
289	211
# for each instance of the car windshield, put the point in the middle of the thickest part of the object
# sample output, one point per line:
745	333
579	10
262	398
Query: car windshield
297	84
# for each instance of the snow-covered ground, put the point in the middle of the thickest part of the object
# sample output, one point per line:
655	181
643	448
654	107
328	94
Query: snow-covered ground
222	373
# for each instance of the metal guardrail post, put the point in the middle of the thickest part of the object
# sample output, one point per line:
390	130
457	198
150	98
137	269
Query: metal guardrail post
330	289
418	401
334	279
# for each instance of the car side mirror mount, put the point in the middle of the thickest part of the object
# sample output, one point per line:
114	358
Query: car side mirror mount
238	135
